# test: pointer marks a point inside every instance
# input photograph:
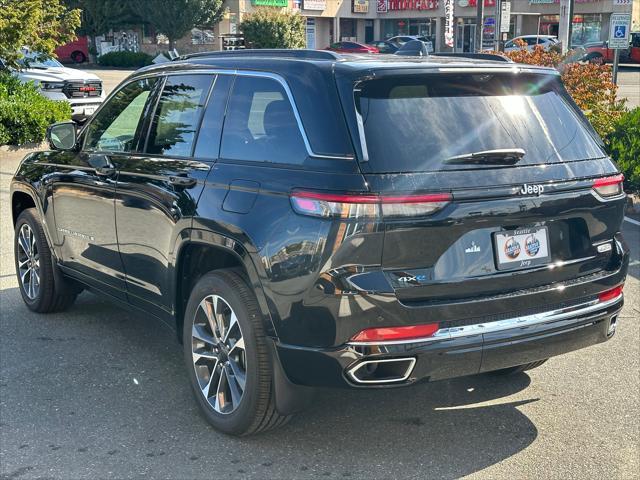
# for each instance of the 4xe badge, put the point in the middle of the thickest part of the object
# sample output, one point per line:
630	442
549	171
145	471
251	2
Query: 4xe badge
531	189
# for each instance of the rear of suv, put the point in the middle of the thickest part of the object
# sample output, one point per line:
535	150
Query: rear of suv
308	219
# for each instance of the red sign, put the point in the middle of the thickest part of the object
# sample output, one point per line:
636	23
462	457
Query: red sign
413	4
487	3
87	89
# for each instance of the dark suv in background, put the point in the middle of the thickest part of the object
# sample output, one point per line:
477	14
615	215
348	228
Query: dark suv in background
309	219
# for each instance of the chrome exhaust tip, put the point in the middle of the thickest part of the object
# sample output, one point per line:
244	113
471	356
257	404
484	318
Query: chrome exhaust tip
613	323
387	370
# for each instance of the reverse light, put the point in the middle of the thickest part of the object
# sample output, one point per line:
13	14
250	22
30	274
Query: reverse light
610	294
385	334
609	186
327	205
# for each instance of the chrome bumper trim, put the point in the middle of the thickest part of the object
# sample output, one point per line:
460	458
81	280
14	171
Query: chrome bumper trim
352	371
499	325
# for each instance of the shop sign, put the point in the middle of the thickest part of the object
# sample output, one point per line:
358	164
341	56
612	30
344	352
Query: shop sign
448	22
270	3
622	3
360	6
314	4
310	31
381	6
474	3
412	5
547	2
505	17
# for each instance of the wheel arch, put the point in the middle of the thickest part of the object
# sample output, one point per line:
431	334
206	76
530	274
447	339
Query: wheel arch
20	201
205	251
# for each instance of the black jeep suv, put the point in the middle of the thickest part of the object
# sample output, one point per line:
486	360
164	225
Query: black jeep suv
309	219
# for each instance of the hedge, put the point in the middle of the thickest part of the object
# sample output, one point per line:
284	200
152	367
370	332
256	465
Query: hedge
24	113
125	59
624	147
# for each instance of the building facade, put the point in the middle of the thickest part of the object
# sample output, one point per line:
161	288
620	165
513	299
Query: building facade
330	21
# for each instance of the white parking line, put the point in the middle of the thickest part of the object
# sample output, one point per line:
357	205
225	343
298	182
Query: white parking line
631	220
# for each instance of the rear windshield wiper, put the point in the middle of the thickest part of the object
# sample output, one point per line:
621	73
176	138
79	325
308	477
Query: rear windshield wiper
501	156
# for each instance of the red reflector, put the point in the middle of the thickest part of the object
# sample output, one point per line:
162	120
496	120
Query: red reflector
611	294
605	181
396	333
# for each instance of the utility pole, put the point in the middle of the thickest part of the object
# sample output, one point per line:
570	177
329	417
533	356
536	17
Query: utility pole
479	24
498	26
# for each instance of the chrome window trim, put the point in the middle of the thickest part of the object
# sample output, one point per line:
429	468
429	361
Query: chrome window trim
412	363
501	325
258	74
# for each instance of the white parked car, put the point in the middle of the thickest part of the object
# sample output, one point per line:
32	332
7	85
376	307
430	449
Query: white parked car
82	90
547	41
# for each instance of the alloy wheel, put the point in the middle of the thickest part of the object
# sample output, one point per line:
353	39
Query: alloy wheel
28	262
218	352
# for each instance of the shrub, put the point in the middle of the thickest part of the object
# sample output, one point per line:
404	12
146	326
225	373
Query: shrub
624	148
24	113
590	85
271	28
125	59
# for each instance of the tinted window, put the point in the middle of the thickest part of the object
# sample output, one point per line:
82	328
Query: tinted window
260	124
114	126
177	115
208	143
416	124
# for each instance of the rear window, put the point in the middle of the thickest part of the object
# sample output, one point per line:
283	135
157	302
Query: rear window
416	123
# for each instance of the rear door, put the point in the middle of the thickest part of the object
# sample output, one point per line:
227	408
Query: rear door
518	218
158	188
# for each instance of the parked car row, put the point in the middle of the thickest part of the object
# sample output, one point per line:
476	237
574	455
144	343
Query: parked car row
392	45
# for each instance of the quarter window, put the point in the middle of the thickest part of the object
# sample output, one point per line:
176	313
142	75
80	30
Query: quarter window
114	127
261	125
178	113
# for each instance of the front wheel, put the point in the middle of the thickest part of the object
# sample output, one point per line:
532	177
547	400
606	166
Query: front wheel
34	267
227	357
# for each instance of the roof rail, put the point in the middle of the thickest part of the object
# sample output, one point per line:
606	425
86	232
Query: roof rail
303	54
477	56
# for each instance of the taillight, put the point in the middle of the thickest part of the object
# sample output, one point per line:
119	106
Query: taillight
607	295
608	186
358	206
396	333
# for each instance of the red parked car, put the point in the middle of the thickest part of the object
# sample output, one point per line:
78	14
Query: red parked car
352	47
599	52
76	51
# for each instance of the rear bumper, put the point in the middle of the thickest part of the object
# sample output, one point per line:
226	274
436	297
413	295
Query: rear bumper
454	352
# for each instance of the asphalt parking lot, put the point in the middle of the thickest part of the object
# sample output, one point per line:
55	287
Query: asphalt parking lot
100	392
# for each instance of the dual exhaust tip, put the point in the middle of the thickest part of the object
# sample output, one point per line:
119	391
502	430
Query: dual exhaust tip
386	370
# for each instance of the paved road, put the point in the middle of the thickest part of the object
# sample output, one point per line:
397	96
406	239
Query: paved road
629	84
100	392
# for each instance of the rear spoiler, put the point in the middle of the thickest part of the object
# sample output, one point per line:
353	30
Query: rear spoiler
496	57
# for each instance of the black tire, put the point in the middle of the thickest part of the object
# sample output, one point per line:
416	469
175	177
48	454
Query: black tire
49	297
596	59
78	57
519	368
256	410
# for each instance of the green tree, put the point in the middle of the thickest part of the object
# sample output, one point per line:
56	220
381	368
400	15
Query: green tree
271	28
174	18
39	25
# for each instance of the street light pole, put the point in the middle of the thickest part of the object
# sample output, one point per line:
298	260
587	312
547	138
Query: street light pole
479	24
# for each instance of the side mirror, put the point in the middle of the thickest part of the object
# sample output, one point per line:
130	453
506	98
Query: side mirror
62	136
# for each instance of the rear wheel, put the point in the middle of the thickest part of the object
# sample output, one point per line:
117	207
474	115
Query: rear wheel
78	57
35	268
519	368
596	59
226	354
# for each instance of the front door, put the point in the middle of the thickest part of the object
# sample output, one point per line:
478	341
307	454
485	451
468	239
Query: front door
84	191
158	188
465	38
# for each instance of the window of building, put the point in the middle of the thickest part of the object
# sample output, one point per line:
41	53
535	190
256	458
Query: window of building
260	124
177	115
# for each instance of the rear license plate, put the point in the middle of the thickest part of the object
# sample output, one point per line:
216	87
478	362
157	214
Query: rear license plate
89	110
523	248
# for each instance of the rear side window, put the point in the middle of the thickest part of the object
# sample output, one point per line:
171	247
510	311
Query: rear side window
177	115
260	124
416	123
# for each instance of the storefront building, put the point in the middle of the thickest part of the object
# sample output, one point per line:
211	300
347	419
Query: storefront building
364	21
